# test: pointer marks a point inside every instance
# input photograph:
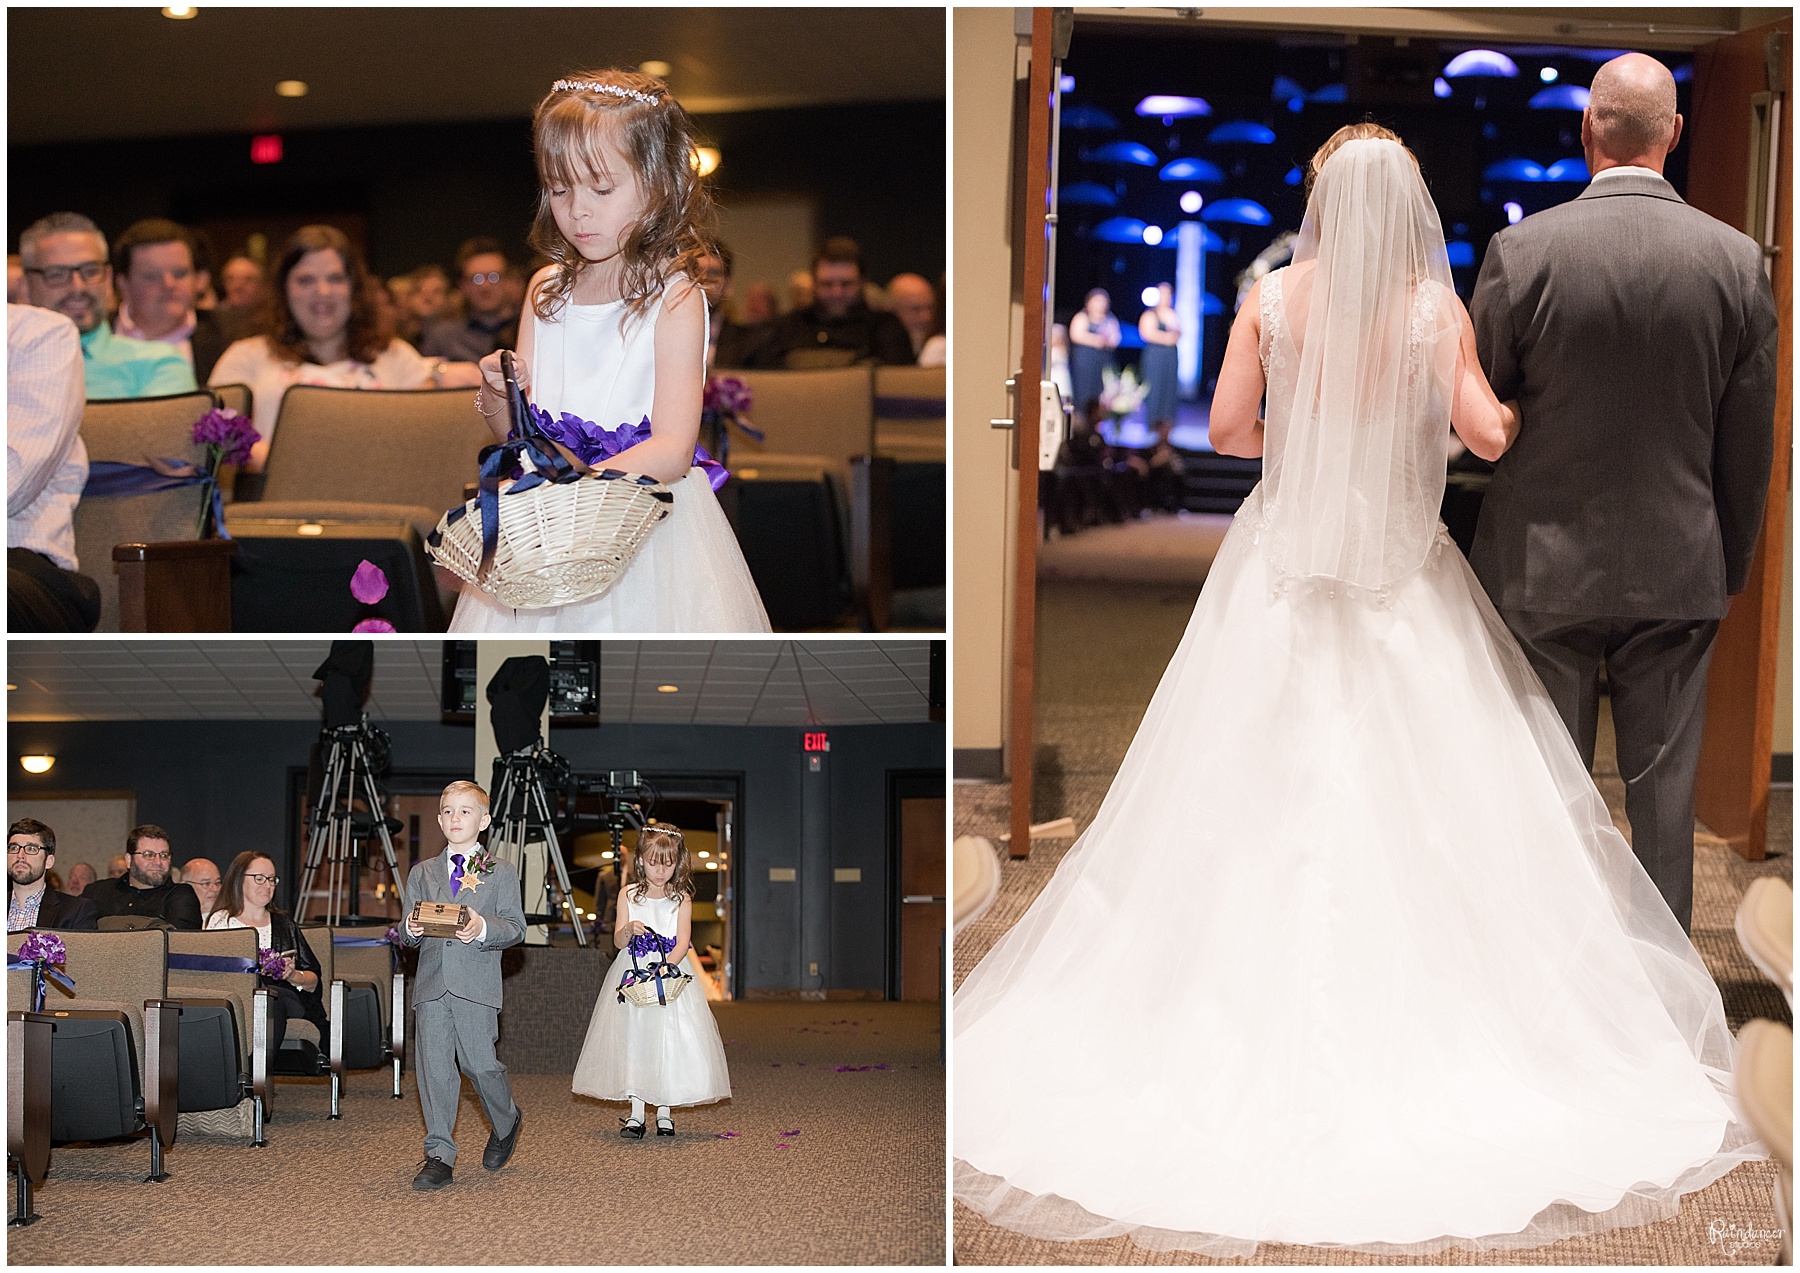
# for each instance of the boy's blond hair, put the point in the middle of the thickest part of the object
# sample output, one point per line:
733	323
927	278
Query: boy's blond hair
462	785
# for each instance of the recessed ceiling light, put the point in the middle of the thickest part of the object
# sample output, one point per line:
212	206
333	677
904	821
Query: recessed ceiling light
668	689
36	764
291	88
712	866
180	11
606	856
703	853
11	686
706	159
659	69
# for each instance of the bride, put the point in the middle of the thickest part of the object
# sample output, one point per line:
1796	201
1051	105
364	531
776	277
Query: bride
1352	954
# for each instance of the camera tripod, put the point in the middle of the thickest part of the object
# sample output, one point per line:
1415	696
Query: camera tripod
352	755
521	810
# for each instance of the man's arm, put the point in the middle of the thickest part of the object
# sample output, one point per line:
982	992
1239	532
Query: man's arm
1490	309
1744	432
892	345
46	387
183	908
506	925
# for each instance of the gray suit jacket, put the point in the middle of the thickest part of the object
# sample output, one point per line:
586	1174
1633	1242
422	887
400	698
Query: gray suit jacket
1638	335
446	965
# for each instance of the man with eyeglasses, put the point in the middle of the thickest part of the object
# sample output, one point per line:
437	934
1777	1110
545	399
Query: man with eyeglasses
148	886
30	901
492	321
66	270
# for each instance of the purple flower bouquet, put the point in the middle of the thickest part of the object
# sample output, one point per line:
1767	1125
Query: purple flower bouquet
44	948
271	964
226	438
593	445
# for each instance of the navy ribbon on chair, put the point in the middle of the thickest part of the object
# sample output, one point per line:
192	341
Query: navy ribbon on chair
212	963
110	478
39	971
897	408
369	941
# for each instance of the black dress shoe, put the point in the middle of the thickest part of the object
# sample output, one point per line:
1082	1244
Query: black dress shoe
633	1129
665	1127
498	1151
434	1174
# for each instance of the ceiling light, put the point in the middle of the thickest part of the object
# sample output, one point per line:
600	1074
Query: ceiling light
180	11
36	764
706	159
1192	201
659	69
291	88
668	689
607	856
1149	296
703	853
1152	235
11	686
712	866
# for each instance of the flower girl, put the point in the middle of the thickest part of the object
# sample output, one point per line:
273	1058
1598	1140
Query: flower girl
612	348
660	1054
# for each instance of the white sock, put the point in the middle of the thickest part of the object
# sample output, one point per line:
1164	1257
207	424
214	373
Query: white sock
637	1110
662	1114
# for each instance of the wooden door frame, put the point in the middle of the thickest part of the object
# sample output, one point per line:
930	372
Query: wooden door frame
1731	784
908	784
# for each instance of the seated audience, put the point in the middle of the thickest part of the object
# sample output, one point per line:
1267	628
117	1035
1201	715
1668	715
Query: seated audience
759	304
31	902
728	344
80	876
146	887
160	271
323	330
491	321
116	866
426	299
799	291
66	270
16	291
46	468
202	875
915	305
246	900
838	318
243	282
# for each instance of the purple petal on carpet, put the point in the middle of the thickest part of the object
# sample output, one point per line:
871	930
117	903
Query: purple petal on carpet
374	625
725	1135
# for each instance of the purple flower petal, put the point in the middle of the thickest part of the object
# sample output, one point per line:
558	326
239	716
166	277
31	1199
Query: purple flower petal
369	584
795	1132
374	625
782	1145
725	1136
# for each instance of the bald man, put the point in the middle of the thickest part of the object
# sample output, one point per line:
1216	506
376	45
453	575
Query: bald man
202	875
1638	335
915	305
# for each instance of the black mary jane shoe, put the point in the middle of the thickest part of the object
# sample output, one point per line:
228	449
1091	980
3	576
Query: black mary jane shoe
633	1129
665	1127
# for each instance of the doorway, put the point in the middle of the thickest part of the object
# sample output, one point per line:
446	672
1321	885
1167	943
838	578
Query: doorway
916	863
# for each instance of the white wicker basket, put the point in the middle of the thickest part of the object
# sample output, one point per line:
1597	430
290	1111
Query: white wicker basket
558	544
643	993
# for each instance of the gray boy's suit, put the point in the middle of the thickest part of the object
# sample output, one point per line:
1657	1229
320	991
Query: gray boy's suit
456	999
1638	335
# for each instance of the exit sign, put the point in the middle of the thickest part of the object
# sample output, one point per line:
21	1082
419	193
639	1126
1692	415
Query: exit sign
266	149
815	742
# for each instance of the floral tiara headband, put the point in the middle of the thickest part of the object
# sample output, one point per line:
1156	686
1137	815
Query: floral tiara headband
615	90
674	833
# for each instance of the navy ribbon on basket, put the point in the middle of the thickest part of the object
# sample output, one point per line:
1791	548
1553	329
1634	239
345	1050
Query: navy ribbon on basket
110	478
40	970
642	944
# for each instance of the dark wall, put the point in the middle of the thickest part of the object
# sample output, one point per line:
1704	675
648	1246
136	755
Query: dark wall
876	172
222	787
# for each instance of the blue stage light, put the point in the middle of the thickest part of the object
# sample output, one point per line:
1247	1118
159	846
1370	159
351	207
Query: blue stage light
1563	97
1238	211
1066	84
1153	235
1514	170
1481	62
1440	87
1330	93
1514	213
1149	296
1210	304
1548	75
1242	130
1286	89
1462	255
1294	176
1200	170
1120	230
1089	194
1088	117
1573	168
1123	152
1684	73
1170	106
1191	201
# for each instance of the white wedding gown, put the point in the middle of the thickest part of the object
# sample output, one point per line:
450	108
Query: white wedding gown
1352	954
689	575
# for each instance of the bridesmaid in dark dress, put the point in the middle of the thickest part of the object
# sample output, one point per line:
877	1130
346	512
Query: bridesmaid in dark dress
1093	335
1160	329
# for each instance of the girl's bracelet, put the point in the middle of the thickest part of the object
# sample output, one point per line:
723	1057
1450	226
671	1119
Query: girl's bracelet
481	401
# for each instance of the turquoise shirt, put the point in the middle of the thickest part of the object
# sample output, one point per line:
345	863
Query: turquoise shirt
120	367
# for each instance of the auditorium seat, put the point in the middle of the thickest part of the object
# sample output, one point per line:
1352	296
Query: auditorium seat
29	1039
1765	929
236	398
224	1089
909	413
195	582
786	510
975	872
368	982
1763	1075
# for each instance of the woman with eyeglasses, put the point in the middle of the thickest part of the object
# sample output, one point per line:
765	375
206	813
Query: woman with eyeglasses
247	900
321	326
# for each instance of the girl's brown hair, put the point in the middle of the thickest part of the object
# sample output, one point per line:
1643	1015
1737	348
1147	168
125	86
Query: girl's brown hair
231	887
657	139
661	838
1368	130
365	335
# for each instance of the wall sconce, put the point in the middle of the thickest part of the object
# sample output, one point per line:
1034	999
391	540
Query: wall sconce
38	764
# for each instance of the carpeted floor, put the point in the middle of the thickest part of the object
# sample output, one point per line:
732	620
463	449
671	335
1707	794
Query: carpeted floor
835	1156
1102	649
